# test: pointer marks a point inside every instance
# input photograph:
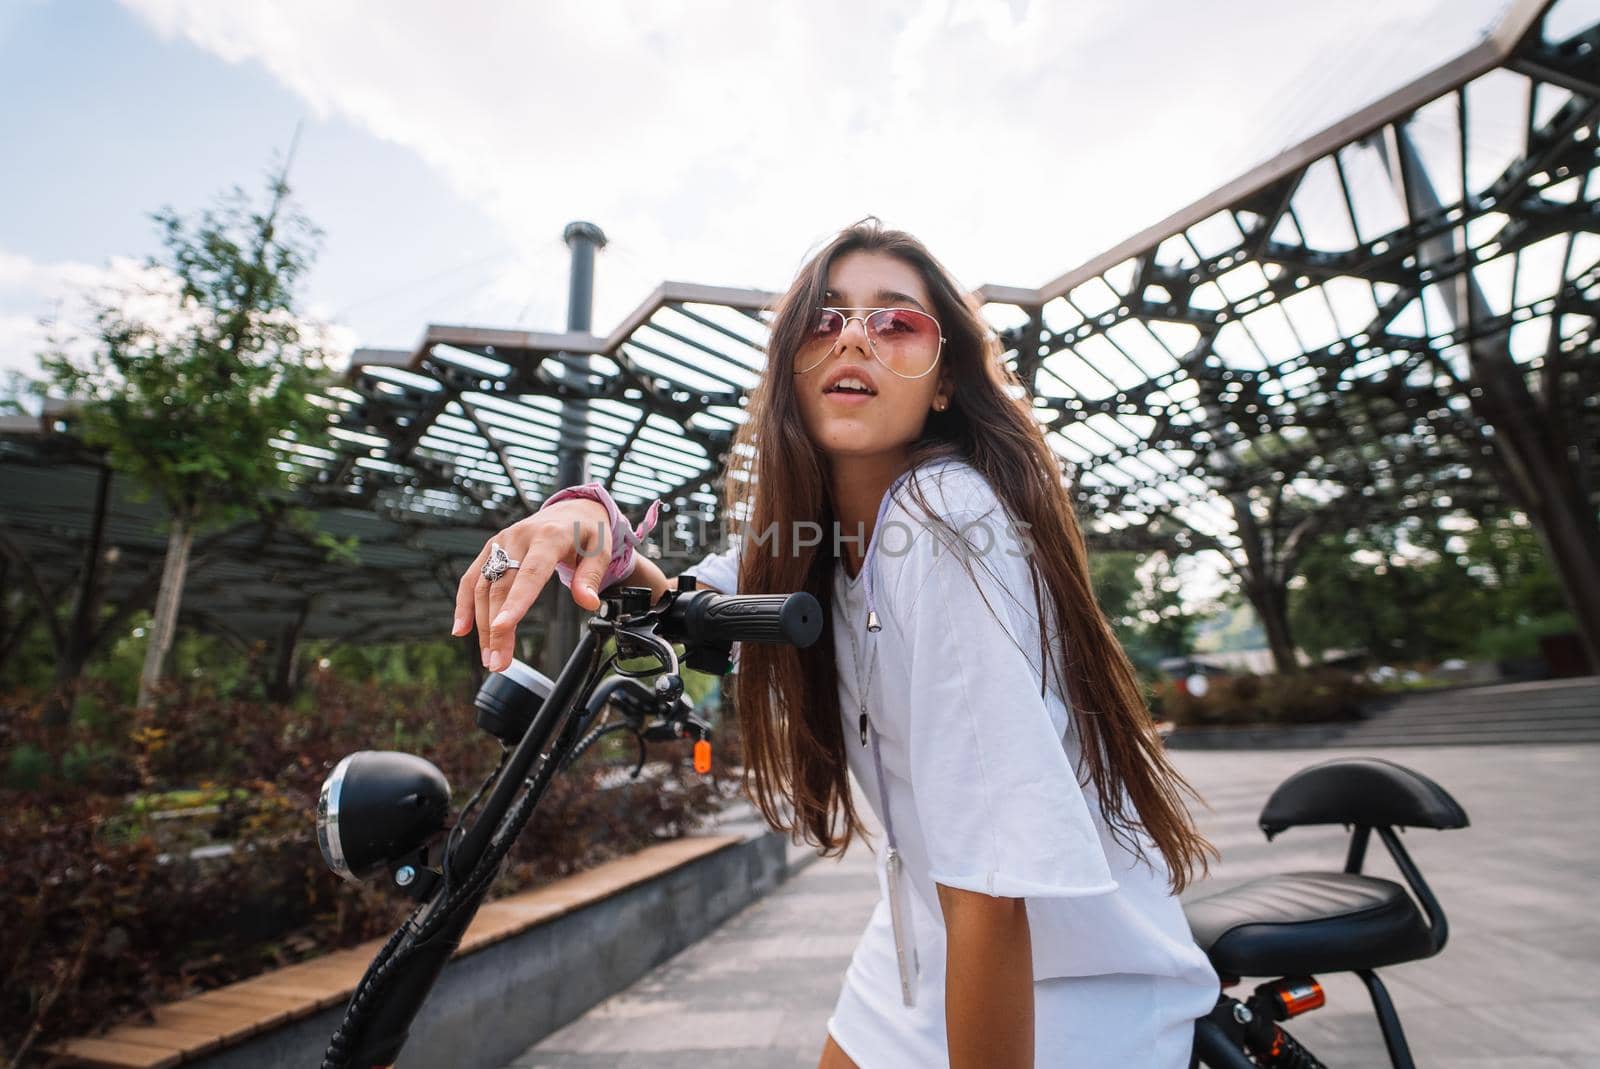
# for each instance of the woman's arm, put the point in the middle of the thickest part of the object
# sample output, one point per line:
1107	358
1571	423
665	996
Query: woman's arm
988	983
575	532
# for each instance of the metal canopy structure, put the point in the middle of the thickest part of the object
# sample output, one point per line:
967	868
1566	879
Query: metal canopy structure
251	581
1332	298
1398	314
472	418
1331	312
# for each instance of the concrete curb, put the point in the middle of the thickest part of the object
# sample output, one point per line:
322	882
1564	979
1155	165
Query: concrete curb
490	1006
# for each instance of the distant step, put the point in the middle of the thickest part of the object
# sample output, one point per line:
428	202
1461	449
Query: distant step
1547	711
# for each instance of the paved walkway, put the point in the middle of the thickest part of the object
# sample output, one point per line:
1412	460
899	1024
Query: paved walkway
1513	989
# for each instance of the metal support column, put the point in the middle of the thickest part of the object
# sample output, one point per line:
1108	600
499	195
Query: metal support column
572	461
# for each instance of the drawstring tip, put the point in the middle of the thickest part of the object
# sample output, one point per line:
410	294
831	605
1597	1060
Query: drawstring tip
872	621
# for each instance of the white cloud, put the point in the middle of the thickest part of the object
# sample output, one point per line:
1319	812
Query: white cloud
39	301
45	305
720	142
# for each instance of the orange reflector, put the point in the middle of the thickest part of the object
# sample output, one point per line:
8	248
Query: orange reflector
1300	995
702	759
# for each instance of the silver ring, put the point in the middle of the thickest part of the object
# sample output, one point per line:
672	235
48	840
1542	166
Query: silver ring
498	564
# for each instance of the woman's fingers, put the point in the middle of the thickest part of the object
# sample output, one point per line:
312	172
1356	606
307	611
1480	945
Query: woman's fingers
593	558
538	542
483	597
510	602
467	592
497	597
480	605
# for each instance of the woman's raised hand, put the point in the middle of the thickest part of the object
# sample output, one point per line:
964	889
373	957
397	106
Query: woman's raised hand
575	532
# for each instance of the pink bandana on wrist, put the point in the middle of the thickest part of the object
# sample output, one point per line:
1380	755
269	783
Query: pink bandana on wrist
623	539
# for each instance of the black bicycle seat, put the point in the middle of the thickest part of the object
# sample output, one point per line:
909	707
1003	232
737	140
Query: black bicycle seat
1298	923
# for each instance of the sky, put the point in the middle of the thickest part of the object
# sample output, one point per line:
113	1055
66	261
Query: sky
443	148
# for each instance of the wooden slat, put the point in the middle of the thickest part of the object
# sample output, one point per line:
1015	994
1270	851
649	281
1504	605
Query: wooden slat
109	1054
319	999
228	1024
271	1008
188	1043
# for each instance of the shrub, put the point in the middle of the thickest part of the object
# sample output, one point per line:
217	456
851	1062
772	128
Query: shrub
1316	696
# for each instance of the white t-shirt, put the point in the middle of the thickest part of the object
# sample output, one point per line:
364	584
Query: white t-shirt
980	776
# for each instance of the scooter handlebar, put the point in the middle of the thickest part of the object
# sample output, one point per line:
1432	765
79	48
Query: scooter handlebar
705	616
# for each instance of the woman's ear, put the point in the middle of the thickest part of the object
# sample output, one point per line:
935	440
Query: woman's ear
941	398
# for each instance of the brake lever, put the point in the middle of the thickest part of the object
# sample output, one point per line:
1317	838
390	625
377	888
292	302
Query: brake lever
630	609
683	726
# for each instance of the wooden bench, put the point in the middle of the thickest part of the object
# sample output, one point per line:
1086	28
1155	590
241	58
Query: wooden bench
185	1030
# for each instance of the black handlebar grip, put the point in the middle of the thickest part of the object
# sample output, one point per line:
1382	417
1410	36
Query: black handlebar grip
706	616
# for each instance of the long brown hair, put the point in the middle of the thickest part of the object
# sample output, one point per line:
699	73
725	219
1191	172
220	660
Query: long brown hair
787	699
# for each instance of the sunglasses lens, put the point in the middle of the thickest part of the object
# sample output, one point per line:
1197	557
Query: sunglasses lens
906	340
826	325
820	337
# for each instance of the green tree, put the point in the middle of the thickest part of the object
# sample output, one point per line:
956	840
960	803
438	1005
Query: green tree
1114	577
1422	590
1139	595
1168	625
188	389
1365	589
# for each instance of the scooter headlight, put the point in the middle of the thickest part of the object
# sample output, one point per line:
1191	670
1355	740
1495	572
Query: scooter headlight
377	807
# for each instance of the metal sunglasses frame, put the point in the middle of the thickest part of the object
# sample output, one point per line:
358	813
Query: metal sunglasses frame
870	344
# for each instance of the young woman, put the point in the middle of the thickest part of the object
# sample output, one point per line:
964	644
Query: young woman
1035	835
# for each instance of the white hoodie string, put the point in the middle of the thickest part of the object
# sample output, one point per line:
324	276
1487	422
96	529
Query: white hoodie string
872	552
899	909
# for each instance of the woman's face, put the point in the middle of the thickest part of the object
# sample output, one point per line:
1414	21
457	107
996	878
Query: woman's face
892	415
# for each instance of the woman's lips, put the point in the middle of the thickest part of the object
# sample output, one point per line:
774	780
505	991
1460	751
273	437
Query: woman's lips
845	397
